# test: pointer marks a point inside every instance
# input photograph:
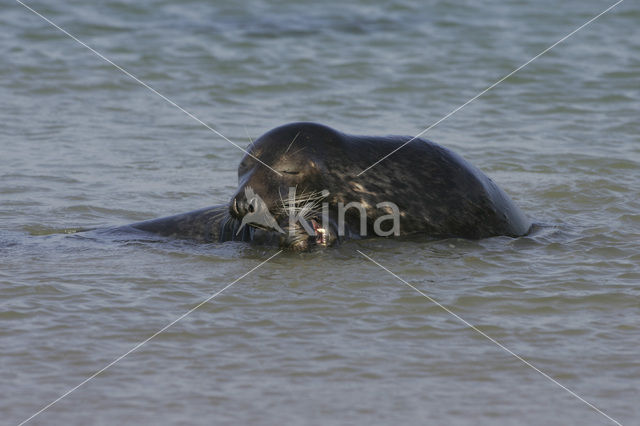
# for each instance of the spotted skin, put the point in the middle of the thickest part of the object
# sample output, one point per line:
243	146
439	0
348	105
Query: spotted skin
438	193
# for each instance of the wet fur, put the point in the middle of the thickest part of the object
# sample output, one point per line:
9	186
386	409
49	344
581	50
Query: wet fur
439	194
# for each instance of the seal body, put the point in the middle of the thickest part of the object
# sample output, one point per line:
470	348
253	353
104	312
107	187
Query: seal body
208	225
314	175
437	192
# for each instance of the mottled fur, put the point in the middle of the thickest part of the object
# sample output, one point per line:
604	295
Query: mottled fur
438	193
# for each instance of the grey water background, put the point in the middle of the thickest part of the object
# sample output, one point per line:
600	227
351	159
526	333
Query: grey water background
325	337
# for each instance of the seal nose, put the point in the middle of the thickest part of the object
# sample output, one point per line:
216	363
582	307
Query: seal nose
239	206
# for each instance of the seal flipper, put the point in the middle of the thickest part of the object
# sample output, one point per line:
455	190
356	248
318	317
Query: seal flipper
210	224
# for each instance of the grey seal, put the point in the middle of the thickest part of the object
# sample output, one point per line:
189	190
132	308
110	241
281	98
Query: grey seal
436	193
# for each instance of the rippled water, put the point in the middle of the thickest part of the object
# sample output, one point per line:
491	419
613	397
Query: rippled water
327	337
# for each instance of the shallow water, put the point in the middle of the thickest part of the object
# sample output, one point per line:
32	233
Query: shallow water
327	337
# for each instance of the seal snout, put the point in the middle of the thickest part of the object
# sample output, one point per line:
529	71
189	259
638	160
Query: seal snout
239	206
253	211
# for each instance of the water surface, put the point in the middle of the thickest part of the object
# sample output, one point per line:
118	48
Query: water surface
327	337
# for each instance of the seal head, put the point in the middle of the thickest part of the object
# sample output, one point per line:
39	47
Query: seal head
436	192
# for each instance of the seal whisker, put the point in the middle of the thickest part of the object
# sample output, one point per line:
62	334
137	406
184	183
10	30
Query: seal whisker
250	140
294	139
301	149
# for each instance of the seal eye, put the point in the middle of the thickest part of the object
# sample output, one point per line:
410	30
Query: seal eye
251	208
290	172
